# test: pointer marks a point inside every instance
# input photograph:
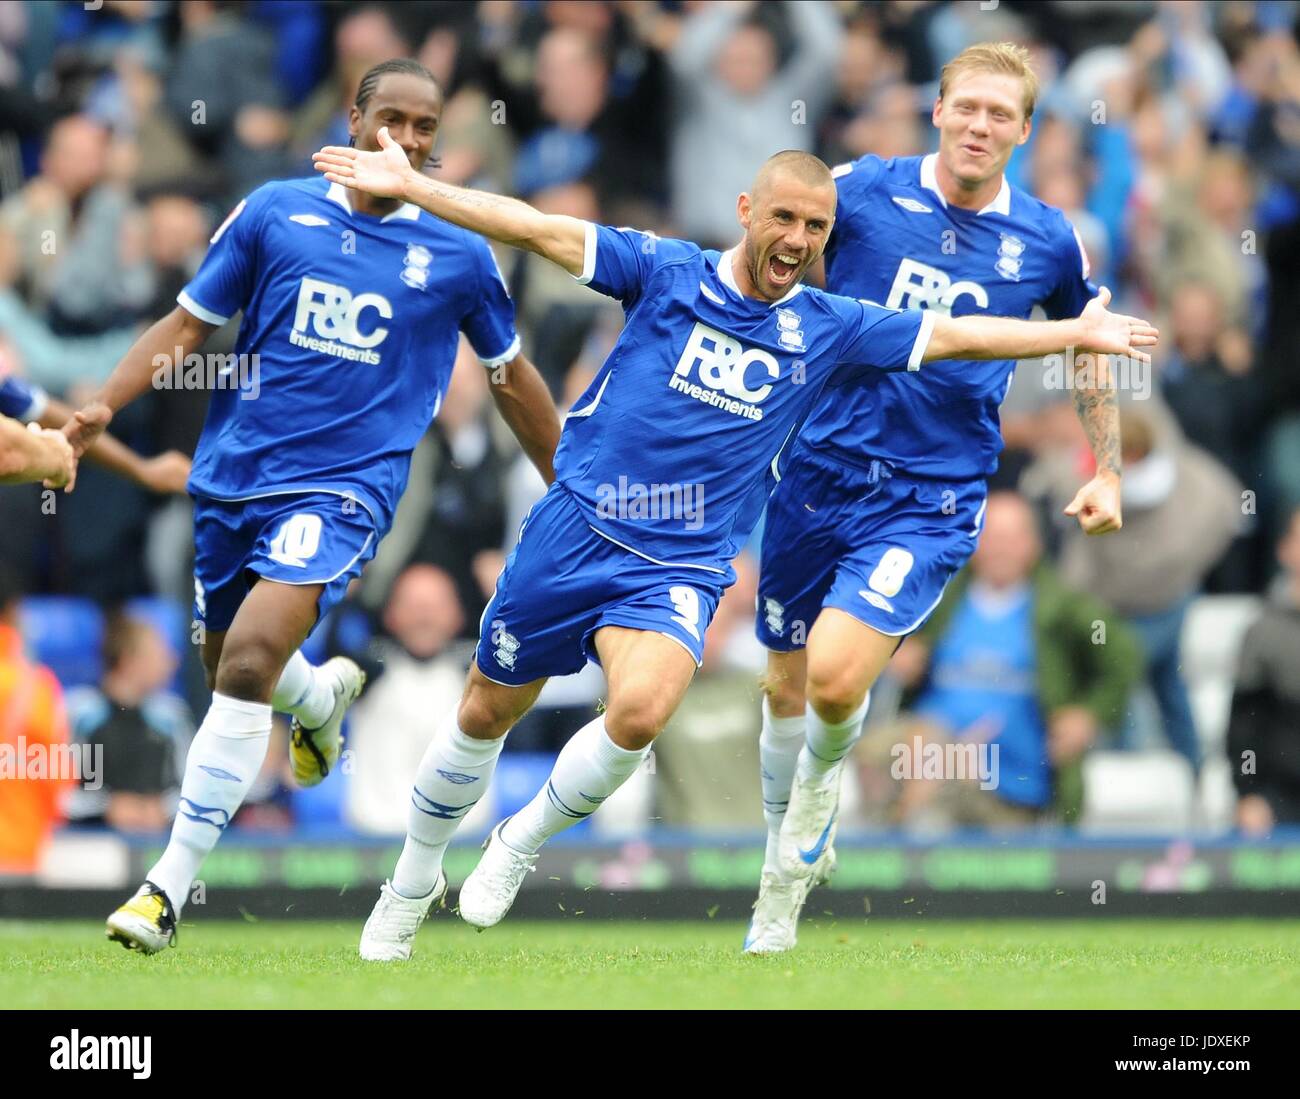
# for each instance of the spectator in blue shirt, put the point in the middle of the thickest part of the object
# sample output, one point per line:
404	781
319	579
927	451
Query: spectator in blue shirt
141	729
1019	668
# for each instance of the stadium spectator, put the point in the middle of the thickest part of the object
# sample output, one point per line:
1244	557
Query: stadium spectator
1016	659
362	40
1182	510
1207	379
67	226
239	126
138	728
1263	741
33	727
867	70
464	522
1208	235
737	104
423	669
571	117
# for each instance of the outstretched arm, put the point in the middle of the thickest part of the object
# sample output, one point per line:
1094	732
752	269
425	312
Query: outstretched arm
386	173
164	473
178	332
1094	331
526	406
1093	336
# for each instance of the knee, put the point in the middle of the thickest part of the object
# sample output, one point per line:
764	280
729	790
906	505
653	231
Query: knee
634	722
248	669
833	693
480	716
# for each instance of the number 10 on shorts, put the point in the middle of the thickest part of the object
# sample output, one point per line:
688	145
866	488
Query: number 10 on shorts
297	540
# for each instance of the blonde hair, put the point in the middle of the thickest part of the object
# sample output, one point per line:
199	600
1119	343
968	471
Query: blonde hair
996	57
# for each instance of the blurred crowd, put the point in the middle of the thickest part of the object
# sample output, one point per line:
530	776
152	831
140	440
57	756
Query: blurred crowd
1169	132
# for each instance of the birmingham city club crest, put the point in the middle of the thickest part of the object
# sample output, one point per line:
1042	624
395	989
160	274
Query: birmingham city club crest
415	267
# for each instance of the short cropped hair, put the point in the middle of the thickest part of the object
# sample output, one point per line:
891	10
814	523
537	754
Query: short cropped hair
803	166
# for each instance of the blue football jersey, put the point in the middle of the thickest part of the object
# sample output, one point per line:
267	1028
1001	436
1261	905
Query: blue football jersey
20	400
703	390
354	321
897	242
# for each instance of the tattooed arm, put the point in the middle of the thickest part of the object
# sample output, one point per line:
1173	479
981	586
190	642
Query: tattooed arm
1097	504
386	173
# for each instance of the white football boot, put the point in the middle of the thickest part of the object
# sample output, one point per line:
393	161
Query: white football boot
776	912
491	889
809	826
314	751
391	928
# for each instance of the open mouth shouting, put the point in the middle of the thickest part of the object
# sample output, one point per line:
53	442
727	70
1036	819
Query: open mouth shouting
783	268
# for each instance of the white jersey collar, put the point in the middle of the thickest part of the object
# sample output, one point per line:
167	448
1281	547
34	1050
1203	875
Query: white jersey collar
408	211
1001	203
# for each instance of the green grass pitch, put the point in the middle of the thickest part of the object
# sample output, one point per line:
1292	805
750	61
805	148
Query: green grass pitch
578	963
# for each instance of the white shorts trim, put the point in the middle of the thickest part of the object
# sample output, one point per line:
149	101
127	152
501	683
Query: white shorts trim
328	580
499	683
673	637
904	632
505	356
655	560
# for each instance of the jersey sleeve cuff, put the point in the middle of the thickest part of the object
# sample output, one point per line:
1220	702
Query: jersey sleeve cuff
505	356
36	409
588	256
187	303
929	319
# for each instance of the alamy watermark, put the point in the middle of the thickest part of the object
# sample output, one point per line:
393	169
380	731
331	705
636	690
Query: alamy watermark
1088	371
964	760
633	500
83	763
208	372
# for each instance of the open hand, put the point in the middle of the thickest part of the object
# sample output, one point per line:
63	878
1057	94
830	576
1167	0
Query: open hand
382	173
1106	333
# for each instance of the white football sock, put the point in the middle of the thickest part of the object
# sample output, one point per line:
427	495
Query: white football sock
224	758
452	776
304	691
778	752
826	744
589	768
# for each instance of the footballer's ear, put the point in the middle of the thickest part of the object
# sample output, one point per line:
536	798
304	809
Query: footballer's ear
744	209
354	123
937	111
